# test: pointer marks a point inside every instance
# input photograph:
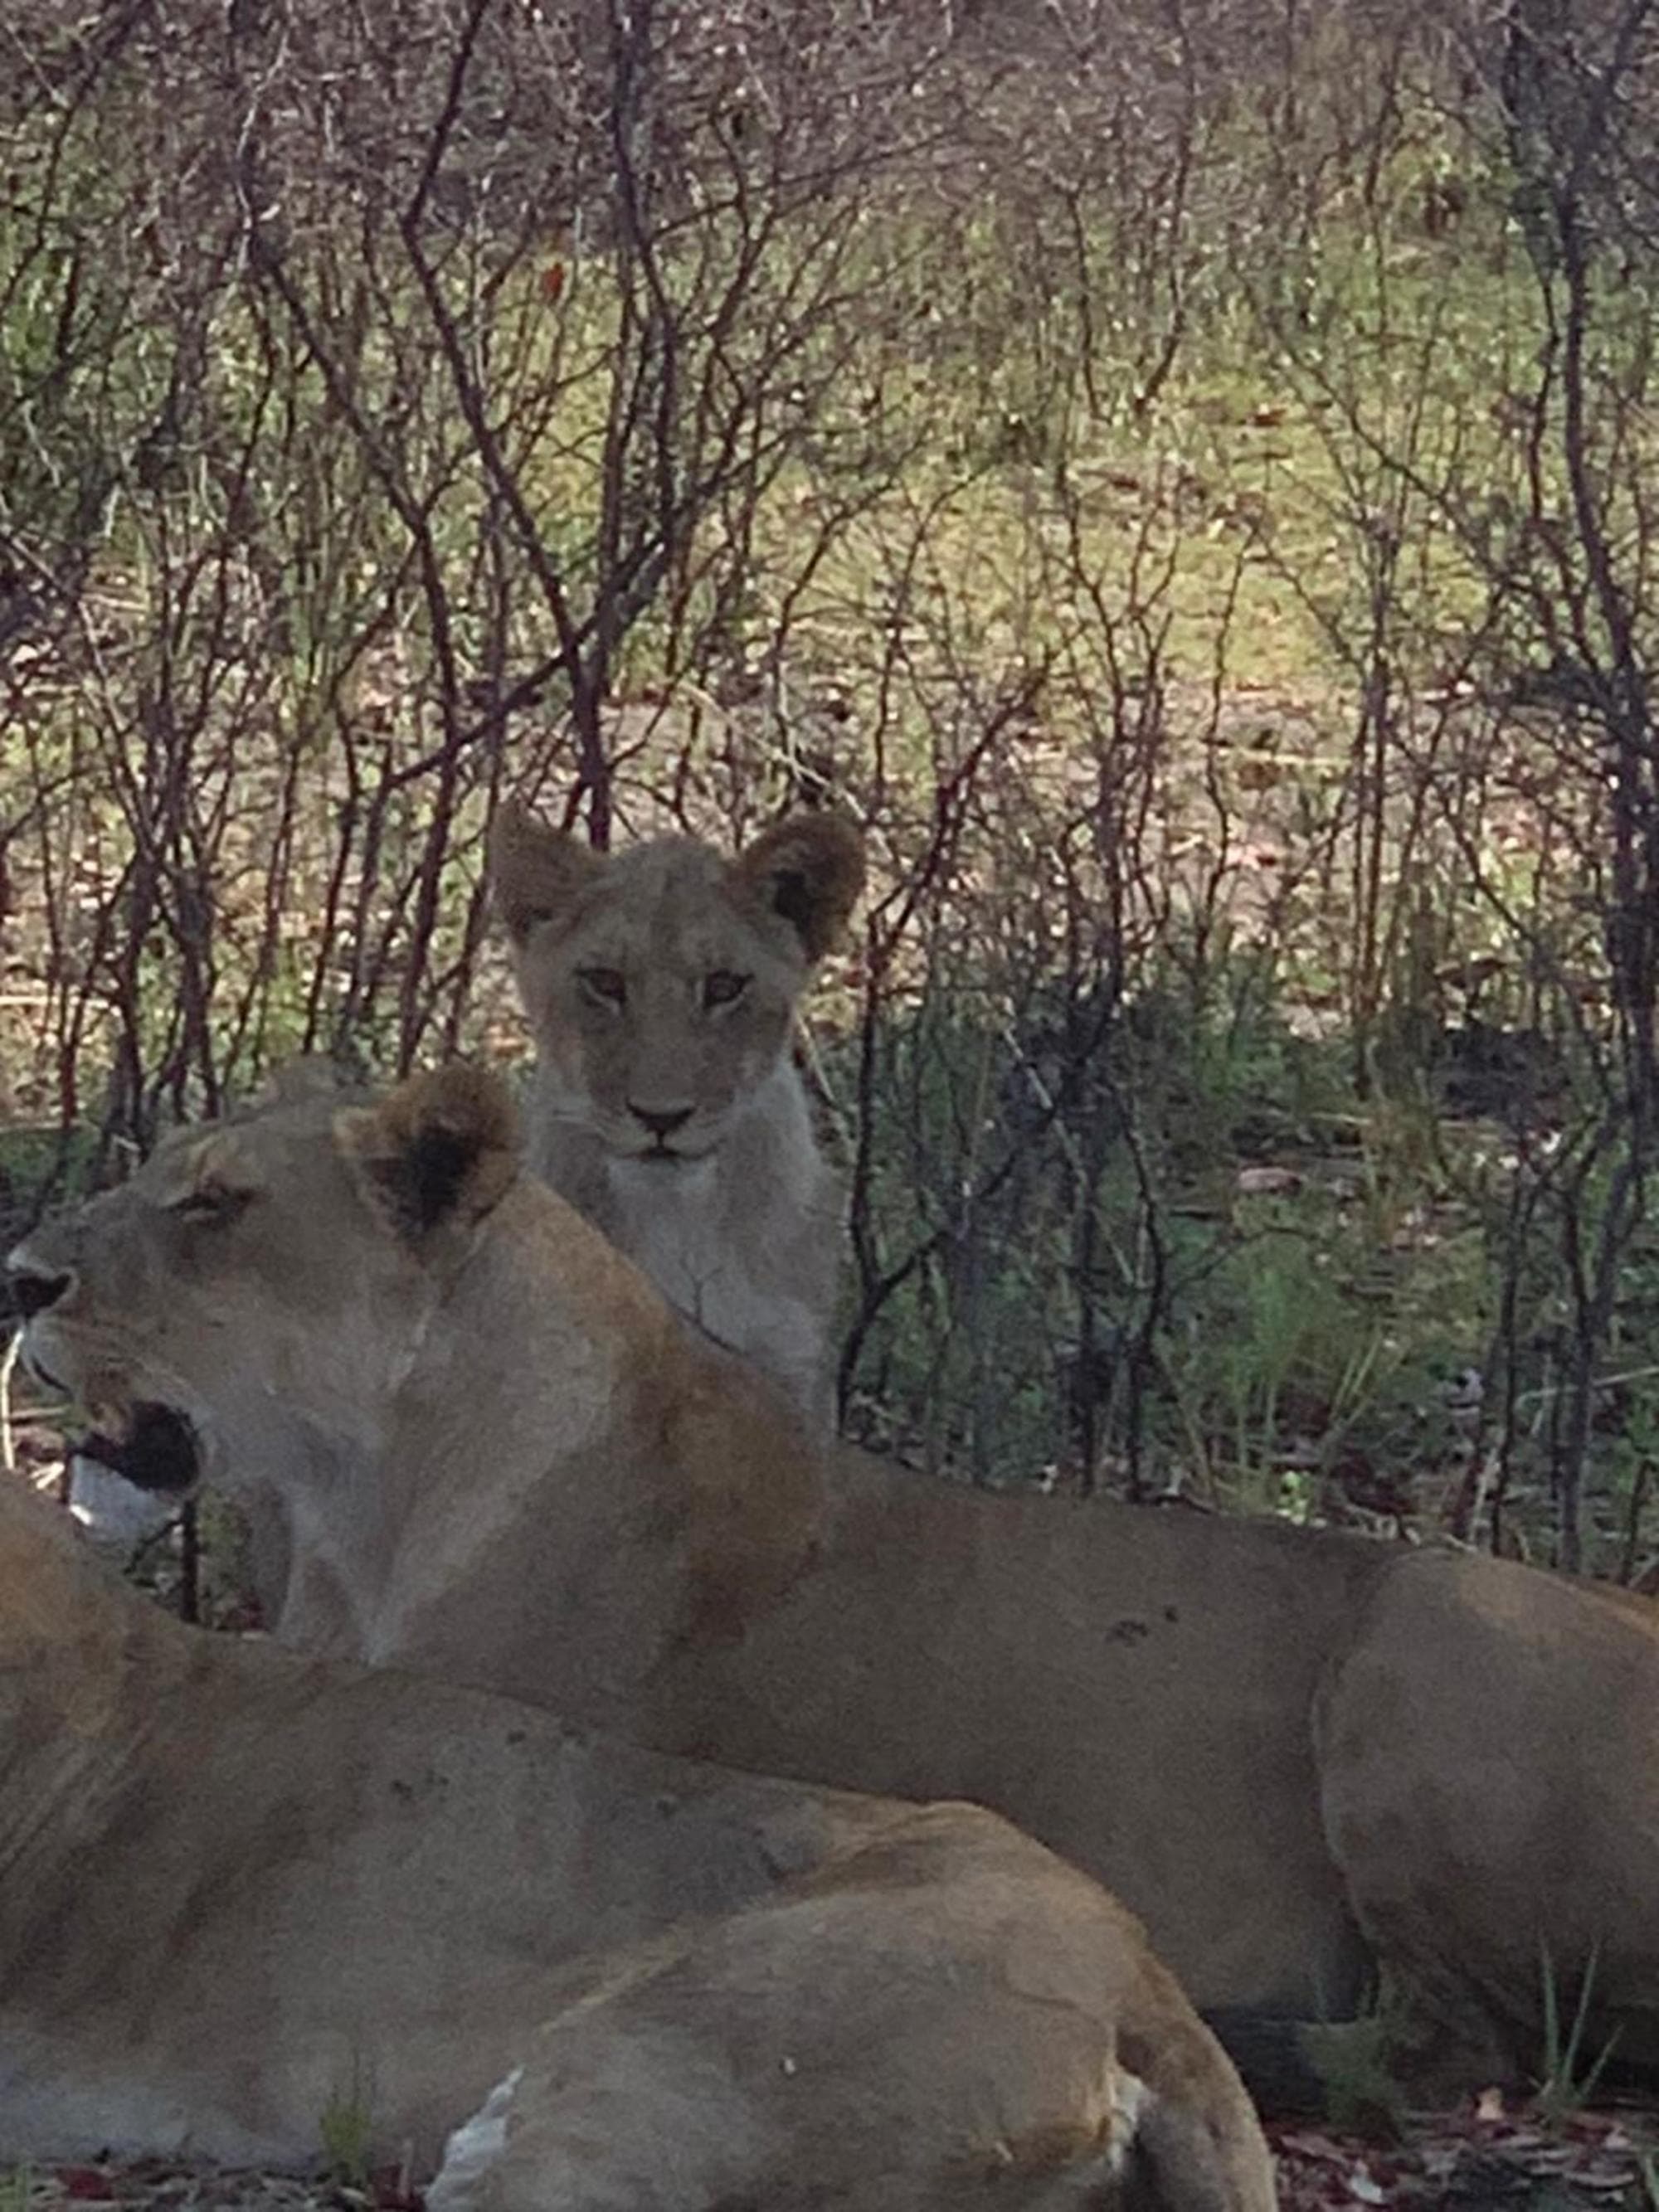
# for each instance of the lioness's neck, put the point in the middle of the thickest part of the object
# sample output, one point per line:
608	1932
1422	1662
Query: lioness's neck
556	1412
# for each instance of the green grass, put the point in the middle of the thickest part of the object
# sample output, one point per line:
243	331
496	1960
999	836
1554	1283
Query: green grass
1358	2064
345	2127
1570	2071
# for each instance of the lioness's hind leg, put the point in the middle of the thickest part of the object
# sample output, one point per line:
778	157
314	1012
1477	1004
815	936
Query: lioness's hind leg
1489	1773
948	2020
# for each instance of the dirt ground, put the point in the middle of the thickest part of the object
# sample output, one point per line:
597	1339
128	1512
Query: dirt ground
1484	2157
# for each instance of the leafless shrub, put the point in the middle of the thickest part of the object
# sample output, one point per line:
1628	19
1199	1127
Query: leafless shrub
673	410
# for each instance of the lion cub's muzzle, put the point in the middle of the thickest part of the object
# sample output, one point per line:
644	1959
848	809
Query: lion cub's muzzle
158	1452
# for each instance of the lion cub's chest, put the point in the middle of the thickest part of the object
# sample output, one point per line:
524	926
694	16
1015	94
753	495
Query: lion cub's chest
745	1241
741	1265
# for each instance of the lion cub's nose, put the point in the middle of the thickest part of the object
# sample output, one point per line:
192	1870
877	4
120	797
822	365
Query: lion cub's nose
34	1287
661	1122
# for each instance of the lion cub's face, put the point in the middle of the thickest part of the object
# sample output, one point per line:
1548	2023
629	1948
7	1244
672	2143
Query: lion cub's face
661	983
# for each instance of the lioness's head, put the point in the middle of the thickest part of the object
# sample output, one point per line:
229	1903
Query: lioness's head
252	1294
660	982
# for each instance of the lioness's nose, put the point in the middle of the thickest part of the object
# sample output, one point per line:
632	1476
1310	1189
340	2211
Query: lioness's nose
34	1287
662	1121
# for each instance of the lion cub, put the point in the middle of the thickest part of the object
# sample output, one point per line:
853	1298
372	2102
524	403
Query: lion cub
660	986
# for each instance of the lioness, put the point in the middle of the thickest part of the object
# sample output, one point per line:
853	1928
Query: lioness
499	1459
660	987
241	1886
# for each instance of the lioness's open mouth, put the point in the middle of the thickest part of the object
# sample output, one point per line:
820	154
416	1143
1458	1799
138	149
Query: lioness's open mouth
158	1451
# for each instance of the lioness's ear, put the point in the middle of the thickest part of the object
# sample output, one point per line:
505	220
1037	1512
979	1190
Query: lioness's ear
441	1149
809	869
534	871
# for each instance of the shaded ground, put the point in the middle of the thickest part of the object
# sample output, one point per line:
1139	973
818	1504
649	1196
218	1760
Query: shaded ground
1482	2157
161	2186
1453	2162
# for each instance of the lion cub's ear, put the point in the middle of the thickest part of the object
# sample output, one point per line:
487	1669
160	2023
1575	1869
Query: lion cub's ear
809	869
441	1149
535	873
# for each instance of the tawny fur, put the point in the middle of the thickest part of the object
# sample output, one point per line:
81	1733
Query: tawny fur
734	1214
497	1456
242	1887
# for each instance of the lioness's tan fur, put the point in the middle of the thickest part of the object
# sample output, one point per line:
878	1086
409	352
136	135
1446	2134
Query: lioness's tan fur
733	1212
1290	1752
240	1886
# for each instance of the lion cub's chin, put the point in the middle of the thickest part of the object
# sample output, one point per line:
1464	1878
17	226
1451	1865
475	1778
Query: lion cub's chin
633	1174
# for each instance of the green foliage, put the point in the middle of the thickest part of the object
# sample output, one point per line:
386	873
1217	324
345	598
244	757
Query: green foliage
1358	2064
42	1167
1569	2072
346	2129
1290	1333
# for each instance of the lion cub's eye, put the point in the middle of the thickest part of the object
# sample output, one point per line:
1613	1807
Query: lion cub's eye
211	1201
723	988
603	987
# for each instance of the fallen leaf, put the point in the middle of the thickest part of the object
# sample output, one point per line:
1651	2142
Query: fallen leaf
86	2185
1267	1182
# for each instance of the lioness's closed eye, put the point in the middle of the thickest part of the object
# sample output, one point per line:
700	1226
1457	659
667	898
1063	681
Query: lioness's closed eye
660	985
